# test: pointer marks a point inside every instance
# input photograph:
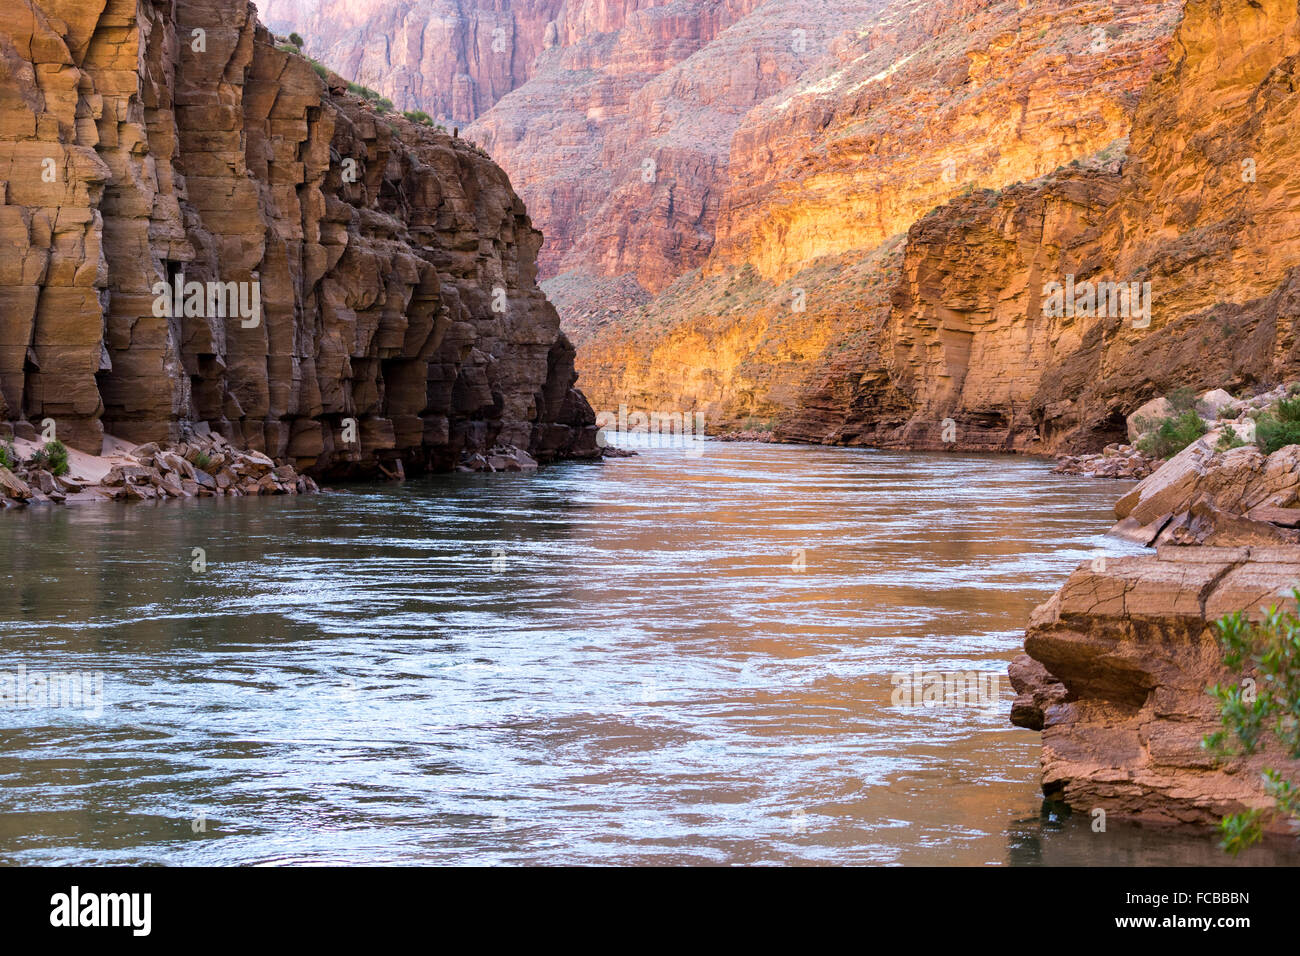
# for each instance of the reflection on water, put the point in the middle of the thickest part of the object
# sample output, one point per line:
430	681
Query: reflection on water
660	659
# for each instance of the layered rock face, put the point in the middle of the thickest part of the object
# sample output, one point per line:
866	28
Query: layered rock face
735	347
620	141
451	58
1117	664
669	147
1116	673
924	100
920	104
366	287
614	117
1195	210
1187	209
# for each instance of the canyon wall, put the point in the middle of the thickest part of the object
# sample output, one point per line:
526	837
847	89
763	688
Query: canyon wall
620	141
451	58
834	221
1199	206
920	106
393	266
1193	203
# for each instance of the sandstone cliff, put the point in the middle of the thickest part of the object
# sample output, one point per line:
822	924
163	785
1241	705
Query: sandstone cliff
1198	208
921	105
393	267
673	152
1118	663
1193	198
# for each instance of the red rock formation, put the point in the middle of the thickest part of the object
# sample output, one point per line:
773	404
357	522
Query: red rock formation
394	265
1115	674
1200	211
451	58
619	142
921	104
776	160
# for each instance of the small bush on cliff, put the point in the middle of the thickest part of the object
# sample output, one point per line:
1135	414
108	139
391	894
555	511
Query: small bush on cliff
53	457
1279	427
1265	702
1229	440
8	457
419	116
1169	436
365	92
296	40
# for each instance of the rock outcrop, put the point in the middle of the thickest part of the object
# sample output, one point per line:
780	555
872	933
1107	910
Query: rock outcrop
202	228
1118	663
1116	673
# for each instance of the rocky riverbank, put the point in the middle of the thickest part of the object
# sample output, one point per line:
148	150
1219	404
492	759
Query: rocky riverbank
1118	662
204	465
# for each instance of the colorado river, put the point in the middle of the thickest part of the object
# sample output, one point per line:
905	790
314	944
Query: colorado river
661	659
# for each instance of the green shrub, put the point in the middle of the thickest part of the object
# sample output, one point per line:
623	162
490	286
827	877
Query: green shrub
1229	440
8	457
1172	435
1279	426
53	457
203	461
296	40
1255	708
1288	410
419	116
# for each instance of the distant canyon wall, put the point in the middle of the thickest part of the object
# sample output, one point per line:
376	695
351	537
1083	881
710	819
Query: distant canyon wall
1198	212
394	268
451	58
834	221
1189	204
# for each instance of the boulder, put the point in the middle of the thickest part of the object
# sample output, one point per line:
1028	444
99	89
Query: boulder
11	486
1209	405
1142	420
1115	671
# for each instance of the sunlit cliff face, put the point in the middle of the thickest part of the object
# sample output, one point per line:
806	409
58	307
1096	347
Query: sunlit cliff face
923	104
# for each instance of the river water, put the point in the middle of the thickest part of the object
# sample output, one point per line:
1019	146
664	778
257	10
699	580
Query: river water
660	659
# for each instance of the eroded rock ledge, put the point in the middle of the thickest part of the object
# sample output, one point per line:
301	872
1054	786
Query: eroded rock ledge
1118	662
400	320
